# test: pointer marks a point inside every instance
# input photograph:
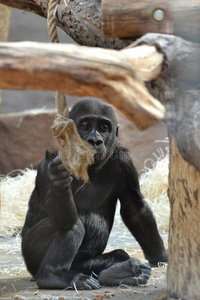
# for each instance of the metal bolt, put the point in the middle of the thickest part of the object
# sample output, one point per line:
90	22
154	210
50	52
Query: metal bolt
159	15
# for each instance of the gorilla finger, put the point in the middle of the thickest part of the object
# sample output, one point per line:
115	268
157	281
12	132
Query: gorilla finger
129	281
61	176
66	173
52	169
135	265
142	279
94	279
57	160
145	266
62	182
66	181
145	271
61	167
94	284
85	286
55	178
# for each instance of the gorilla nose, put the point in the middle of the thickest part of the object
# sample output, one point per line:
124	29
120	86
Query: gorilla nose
96	144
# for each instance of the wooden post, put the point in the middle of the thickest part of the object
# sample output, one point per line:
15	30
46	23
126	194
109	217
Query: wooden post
133	18
183	275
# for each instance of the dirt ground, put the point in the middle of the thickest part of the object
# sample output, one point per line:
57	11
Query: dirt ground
16	282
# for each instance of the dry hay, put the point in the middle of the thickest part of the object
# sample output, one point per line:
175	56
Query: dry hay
154	186
15	193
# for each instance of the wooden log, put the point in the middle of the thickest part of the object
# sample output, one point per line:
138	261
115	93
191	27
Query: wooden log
184	235
81	20
81	71
132	18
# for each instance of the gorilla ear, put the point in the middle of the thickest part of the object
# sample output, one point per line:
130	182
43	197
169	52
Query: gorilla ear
117	130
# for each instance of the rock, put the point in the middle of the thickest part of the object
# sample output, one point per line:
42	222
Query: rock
24	138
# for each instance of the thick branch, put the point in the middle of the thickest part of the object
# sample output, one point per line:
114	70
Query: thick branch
81	20
81	71
27	5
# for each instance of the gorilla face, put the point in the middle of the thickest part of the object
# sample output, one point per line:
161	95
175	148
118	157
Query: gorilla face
97	125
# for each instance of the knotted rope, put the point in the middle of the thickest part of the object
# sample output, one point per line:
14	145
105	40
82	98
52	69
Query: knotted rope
76	154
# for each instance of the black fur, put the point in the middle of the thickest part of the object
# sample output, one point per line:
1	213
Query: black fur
68	224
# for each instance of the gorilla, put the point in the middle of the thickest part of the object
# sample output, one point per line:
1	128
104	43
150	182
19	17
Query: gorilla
68	224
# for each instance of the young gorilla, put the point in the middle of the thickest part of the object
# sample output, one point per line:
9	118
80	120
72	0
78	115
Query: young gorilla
68	224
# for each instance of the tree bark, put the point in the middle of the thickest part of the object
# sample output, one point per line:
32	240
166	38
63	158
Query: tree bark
81	20
80	71
184	235
27	5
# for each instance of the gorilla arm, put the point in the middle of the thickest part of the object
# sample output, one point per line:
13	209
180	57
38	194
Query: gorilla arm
136	213
57	196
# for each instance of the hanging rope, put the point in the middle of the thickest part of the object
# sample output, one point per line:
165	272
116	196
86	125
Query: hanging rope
76	154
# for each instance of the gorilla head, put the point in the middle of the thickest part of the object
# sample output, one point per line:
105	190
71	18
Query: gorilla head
97	125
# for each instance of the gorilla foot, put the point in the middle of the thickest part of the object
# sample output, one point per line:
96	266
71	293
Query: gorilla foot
86	282
130	272
78	281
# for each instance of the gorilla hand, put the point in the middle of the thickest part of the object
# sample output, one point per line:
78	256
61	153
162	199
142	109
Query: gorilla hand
58	175
130	272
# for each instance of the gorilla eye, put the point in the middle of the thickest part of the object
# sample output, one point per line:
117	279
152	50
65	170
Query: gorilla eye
85	126
104	127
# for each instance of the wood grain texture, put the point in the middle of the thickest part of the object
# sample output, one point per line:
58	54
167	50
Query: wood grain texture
184	235
132	18
83	71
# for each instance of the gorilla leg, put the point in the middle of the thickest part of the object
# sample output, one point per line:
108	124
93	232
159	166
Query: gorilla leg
99	262
130	272
52	253
115	268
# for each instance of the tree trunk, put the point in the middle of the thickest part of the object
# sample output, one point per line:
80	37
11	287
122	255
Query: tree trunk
5	13
184	236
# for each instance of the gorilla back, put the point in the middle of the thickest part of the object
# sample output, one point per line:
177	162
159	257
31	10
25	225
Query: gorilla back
68	224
